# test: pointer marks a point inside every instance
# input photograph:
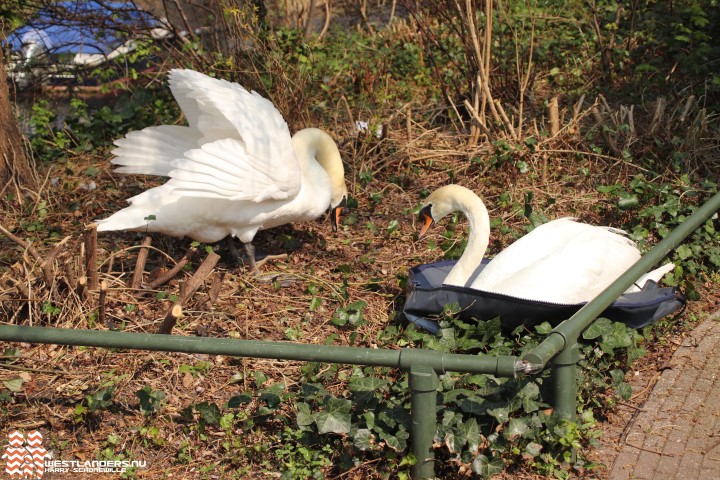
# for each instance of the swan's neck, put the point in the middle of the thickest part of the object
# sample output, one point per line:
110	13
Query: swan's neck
321	148
479	237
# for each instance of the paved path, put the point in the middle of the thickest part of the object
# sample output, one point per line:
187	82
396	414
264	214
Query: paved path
676	433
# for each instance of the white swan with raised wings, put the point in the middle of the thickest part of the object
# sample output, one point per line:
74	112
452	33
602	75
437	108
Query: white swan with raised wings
233	170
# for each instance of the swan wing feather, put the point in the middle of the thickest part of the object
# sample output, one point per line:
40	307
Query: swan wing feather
572	269
150	151
224	169
249	126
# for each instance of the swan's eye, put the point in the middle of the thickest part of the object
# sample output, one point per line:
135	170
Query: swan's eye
424	213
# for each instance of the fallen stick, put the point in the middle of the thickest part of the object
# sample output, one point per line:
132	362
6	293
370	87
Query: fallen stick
171	318
214	291
165	277
22	243
81	288
102	317
91	268
140	263
47	265
187	290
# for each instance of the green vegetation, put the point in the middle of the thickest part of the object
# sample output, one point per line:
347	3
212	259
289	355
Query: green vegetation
460	96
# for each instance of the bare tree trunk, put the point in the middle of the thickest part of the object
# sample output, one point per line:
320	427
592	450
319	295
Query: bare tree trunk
16	174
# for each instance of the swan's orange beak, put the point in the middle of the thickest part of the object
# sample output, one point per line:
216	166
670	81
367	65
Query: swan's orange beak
425	217
337	213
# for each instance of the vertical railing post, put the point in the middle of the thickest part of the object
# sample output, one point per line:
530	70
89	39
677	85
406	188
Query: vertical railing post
563	381
423	404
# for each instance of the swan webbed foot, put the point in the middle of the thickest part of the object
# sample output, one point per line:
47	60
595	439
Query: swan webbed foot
254	264
249	258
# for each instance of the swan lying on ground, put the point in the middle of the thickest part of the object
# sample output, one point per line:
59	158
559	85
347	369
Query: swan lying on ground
233	170
562	261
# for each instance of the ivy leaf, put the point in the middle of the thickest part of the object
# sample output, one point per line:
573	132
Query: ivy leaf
624	390
369	419
101	399
453	442
532	450
367	384
392	417
150	400
363	439
501	414
618	376
304	416
684	252
14	385
209	413
618	338
367	390
530	397
475	406
470	434
628	202
351	314
335	418
516	428
600	327
271	395
238	400
544	328
313	390
486	467
397	442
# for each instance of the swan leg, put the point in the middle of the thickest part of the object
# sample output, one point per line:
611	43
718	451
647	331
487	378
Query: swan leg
256	264
234	253
249	248
250	253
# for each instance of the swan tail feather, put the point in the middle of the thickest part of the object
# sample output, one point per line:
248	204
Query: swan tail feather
654	275
150	151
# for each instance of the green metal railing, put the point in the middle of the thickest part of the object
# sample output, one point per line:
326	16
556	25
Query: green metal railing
559	350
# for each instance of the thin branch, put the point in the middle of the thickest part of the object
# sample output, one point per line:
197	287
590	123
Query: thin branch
22	243
91	267
162	279
140	263
187	291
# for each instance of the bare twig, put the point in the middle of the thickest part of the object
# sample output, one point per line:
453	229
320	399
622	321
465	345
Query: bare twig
171	318
187	291
81	287
308	22
162	279
47	265
476	116
102	316
658	115
91	267
328	14
214	290
22	243
140	263
600	121
553	116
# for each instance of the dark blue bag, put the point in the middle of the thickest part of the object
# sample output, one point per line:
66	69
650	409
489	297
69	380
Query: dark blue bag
427	297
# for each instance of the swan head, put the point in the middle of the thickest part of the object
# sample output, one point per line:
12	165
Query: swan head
444	201
322	148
